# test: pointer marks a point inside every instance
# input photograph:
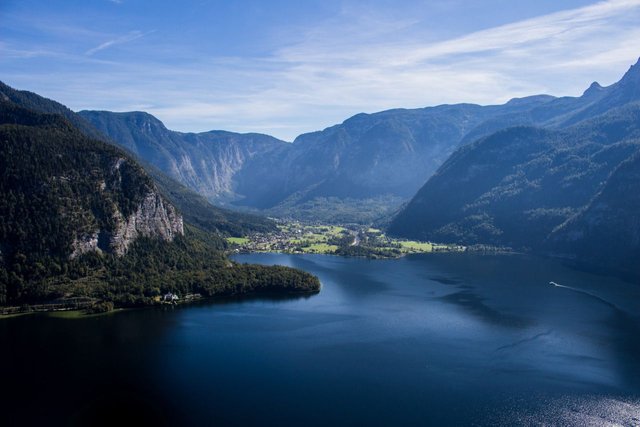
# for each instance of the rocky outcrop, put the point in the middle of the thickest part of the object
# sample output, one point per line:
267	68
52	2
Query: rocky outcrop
153	218
84	243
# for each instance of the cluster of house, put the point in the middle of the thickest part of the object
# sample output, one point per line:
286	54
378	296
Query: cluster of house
170	297
275	242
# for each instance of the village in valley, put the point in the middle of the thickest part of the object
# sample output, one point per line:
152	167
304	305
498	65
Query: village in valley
296	237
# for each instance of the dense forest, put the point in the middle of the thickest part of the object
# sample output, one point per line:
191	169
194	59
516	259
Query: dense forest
57	186
489	190
193	263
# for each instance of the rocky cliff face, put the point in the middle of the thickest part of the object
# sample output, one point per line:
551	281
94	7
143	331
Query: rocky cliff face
390	153
384	156
152	217
206	162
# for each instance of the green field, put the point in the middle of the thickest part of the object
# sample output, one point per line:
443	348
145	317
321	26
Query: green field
238	240
320	248
413	246
336	230
296	237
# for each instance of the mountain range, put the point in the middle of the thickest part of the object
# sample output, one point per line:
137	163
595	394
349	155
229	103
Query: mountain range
192	205
543	174
370	160
564	188
358	170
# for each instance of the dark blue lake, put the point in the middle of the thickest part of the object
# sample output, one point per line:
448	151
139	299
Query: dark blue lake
443	339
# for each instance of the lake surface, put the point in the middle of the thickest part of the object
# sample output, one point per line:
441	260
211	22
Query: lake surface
442	339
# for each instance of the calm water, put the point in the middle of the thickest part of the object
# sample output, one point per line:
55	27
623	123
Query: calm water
424	340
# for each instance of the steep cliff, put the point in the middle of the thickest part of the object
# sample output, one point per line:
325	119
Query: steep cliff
369	161
142	135
382	157
88	195
206	162
153	217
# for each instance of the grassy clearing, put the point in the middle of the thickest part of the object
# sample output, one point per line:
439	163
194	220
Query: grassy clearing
320	248
238	240
297	237
414	246
335	230
315	237
310	238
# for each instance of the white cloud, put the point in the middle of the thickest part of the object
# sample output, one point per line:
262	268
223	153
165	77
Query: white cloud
522	54
133	35
351	63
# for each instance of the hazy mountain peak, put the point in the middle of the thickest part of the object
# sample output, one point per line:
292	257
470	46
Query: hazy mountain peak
594	88
632	76
139	117
529	99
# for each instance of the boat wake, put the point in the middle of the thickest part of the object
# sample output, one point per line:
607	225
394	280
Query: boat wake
589	294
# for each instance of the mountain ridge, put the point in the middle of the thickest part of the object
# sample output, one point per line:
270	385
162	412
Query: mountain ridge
331	147
550	189
370	159
198	211
205	162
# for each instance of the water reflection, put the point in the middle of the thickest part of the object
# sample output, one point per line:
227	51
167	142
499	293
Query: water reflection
424	340
475	305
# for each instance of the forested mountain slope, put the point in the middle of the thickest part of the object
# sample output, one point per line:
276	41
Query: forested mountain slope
193	206
559	189
607	231
80	218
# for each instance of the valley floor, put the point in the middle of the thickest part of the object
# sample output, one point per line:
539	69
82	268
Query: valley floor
297	237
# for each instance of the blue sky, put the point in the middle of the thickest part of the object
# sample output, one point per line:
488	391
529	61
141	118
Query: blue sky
288	67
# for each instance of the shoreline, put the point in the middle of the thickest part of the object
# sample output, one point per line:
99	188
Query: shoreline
80	313
466	250
72	313
77	311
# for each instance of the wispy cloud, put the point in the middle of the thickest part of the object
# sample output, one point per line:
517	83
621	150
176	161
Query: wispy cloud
358	60
133	35
355	64
559	53
511	53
